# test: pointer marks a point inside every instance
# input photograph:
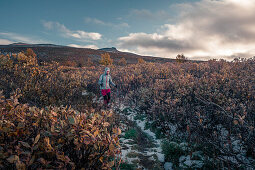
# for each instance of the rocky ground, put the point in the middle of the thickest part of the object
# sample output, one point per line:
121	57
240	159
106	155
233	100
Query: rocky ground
140	147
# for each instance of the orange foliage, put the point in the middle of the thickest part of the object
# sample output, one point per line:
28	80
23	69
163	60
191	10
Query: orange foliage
55	137
140	61
106	59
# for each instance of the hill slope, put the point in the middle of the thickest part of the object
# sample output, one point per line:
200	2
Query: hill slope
51	52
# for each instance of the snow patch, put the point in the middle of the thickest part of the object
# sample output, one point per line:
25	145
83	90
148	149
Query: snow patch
186	162
158	150
168	166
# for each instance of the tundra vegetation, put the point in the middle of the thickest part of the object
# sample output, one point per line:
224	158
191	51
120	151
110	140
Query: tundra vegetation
204	111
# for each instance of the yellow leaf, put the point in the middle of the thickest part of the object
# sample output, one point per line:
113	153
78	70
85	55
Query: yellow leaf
118	131
41	160
35	124
106	124
20	165
47	141
87	132
111	147
96	133
110	114
52	128
61	157
37	138
13	158
110	164
76	141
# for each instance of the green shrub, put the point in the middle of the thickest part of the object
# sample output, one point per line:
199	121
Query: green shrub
131	134
172	151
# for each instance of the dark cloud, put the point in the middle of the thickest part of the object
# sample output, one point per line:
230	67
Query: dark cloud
156	41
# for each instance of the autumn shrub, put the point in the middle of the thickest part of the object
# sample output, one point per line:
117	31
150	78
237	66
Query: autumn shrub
180	58
55	137
140	61
49	84
30	52
210	102
16	70
106	59
122	61
70	63
89	62
204	100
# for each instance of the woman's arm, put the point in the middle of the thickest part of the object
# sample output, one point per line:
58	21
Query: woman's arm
110	81
100	80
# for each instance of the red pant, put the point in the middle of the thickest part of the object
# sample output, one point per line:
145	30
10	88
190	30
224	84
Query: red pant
107	95
105	91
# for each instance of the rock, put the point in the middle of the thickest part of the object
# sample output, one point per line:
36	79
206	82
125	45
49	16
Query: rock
168	166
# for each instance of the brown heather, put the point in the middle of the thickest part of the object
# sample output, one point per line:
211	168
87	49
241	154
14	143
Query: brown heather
195	96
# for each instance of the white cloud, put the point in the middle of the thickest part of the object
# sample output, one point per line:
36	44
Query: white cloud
106	24
78	34
48	25
216	29
5	42
14	37
83	46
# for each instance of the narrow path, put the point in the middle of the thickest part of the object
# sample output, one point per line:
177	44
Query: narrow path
140	148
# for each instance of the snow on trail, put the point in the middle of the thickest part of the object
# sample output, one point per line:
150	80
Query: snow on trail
150	152
157	150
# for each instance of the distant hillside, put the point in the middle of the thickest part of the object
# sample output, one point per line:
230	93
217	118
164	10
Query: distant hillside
113	49
20	44
52	52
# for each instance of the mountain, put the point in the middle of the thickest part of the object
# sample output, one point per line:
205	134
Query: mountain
62	54
20	44
113	49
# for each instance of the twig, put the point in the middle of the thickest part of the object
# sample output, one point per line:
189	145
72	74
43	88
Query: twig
214	104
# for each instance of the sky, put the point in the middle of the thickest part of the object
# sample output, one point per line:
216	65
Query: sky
199	29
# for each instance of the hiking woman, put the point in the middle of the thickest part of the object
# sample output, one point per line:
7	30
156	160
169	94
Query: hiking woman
105	81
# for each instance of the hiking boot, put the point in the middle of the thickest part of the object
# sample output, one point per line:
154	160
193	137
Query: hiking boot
108	105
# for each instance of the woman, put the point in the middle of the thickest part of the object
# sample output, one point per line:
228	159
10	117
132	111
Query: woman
105	81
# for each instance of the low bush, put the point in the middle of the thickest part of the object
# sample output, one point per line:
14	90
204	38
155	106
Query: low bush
55	137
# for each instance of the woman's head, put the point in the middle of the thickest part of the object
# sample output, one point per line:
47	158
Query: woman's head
107	70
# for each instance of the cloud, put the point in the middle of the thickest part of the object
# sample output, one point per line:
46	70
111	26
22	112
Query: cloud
204	29
14	37
65	32
5	42
106	24
48	25
83	46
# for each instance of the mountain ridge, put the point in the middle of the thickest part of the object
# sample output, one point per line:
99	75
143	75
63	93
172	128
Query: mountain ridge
61	53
